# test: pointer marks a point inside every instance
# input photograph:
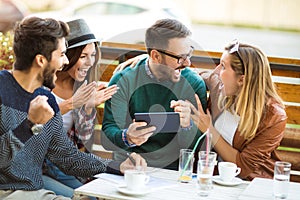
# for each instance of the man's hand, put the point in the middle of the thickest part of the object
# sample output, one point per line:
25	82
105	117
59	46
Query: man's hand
130	63
140	163
184	110
40	112
138	135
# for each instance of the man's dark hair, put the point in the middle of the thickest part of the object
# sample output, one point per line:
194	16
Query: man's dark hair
159	34
34	36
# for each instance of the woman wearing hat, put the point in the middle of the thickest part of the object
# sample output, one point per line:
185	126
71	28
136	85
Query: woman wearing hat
77	93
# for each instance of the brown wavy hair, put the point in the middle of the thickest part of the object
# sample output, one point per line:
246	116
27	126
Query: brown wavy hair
34	36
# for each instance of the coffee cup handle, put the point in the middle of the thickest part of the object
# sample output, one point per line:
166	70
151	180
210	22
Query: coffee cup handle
238	171
147	178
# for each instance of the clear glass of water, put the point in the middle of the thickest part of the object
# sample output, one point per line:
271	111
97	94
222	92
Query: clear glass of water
281	179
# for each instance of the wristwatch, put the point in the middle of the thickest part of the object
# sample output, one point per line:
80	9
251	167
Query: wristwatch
35	128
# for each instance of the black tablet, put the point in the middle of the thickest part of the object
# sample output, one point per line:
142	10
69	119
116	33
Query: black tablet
165	122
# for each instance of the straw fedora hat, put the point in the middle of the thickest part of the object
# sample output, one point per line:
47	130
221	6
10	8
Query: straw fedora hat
80	34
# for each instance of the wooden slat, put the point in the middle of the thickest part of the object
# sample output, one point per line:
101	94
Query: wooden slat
99	116
106	71
292	157
279	60
285	73
295	178
291	138
123	45
289	92
293	113
209	66
289	61
287	67
100	113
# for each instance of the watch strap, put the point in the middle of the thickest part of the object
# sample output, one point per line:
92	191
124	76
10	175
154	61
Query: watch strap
30	123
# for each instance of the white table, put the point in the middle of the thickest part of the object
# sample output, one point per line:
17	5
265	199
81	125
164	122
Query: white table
262	189
104	189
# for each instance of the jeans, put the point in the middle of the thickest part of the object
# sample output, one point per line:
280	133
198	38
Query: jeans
61	183
57	187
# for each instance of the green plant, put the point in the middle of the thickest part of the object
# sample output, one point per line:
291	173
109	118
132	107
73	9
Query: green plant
6	51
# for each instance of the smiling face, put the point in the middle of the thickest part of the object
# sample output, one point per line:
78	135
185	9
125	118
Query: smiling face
86	60
167	67
231	81
58	60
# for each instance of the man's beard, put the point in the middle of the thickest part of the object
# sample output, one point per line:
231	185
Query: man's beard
167	73
49	78
48	82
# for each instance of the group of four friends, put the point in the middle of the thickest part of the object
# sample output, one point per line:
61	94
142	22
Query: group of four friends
48	105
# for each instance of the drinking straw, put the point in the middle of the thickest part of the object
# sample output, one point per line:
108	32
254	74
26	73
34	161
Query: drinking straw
207	146
190	156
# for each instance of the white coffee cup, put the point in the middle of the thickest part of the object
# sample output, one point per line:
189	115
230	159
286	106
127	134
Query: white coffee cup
135	179
228	171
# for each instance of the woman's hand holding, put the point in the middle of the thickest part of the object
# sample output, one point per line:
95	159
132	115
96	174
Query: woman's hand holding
202	120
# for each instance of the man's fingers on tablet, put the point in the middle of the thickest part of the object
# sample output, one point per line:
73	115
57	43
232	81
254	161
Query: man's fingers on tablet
147	128
139	124
150	129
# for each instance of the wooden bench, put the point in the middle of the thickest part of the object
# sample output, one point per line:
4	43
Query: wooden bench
286	76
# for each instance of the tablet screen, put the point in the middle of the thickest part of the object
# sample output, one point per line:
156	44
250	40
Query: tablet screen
165	122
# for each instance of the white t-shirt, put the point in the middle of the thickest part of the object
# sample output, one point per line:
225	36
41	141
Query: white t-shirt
68	117
226	125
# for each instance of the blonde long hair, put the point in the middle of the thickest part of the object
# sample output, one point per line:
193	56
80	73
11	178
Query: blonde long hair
257	88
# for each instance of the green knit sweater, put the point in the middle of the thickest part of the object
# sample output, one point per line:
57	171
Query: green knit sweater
141	93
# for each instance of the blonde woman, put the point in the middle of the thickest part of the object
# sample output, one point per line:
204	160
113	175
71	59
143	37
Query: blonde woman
247	117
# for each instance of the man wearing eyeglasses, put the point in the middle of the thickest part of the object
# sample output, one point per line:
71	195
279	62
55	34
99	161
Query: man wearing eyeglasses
155	84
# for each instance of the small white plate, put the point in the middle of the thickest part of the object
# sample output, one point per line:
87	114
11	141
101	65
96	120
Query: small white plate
123	189
235	181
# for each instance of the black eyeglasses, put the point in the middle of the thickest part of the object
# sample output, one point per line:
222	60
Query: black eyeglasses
234	49
180	58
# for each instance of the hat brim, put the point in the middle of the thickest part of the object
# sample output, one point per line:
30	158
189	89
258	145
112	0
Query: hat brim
85	42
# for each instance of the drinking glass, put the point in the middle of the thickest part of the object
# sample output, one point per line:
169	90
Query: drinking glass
205	169
281	179
186	162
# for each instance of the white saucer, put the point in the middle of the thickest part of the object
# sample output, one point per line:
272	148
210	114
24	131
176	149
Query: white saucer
123	189
235	181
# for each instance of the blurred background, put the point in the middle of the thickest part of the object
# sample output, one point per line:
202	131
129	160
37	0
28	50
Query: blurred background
272	25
